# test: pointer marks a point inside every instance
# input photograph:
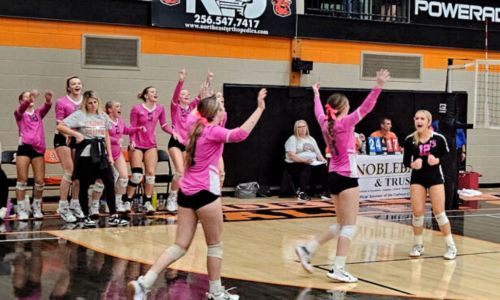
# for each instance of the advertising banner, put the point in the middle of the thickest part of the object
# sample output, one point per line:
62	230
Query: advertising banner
383	177
261	17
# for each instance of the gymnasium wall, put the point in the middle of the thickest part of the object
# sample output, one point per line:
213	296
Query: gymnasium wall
41	54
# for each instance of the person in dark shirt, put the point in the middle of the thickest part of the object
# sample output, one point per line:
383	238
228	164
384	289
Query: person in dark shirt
423	150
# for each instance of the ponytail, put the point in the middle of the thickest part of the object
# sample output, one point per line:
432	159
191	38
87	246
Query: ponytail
191	145
334	106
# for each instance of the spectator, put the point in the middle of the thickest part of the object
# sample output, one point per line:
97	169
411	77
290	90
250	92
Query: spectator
353	8
389	10
304	159
385	129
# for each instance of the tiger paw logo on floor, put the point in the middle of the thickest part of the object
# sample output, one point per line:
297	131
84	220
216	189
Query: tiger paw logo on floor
282	8
170	2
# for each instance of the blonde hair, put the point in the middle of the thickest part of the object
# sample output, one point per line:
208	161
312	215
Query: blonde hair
109	105
296	128
338	102
207	108
90	95
428	115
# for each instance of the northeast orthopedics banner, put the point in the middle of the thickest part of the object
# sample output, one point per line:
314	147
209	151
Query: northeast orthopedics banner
261	17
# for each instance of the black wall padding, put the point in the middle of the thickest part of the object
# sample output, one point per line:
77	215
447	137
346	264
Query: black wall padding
261	157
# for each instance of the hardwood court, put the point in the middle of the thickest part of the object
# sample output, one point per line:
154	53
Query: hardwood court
259	258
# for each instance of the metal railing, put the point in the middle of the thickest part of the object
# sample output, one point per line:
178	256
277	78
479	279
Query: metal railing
376	10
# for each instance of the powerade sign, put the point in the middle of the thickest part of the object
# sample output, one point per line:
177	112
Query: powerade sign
261	17
465	13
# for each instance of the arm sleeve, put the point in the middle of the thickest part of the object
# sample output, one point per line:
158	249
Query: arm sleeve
44	109
59	112
407	155
223	135
163	123
442	148
320	114
130	130
177	92
291	144
18	113
194	102
133	122
365	107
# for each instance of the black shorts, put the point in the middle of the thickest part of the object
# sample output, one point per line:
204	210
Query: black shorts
197	200
175	143
27	150
338	183
143	150
60	141
426	180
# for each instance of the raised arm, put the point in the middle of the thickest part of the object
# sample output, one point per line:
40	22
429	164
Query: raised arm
178	87
47	104
18	113
318	107
369	103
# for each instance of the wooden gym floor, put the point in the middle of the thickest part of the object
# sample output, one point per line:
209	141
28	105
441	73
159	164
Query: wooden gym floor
48	260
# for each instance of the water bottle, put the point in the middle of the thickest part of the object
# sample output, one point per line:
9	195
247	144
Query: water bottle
154	200
161	203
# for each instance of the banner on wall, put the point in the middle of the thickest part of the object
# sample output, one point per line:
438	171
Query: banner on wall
383	177
261	17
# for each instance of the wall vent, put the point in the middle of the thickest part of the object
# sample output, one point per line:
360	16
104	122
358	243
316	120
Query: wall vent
111	52
403	67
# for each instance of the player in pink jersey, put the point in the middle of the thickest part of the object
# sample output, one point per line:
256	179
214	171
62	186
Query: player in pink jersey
143	145
65	149
30	151
199	195
180	108
337	127
116	132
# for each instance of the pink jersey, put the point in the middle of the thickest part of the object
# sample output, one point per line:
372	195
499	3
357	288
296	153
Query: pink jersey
140	115
31	131
180	114
65	106
343	160
116	132
204	174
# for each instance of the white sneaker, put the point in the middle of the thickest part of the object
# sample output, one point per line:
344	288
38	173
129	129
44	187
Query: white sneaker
339	274
3	213
65	213
22	211
37	209
119	206
116	220
417	251
127	206
223	295
451	252
137	291
94	208
305	258
88	222
76	209
172	202
149	207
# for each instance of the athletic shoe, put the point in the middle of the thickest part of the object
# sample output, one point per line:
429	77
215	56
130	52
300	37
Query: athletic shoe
302	196
3	213
325	196
127	206
339	274
116	220
451	252
76	209
65	213
149	207
172	202
88	222
136	291
120	208
37	209
223	295
417	251
94	208
304	257
22	211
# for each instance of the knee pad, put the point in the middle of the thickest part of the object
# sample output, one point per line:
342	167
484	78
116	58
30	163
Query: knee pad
348	231
21	186
136	177
442	219
150	179
122	182
177	176
175	252
98	187
334	229
39	187
418	221
215	250
68	177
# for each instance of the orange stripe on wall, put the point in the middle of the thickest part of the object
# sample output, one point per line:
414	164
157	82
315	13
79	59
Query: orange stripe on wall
68	35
